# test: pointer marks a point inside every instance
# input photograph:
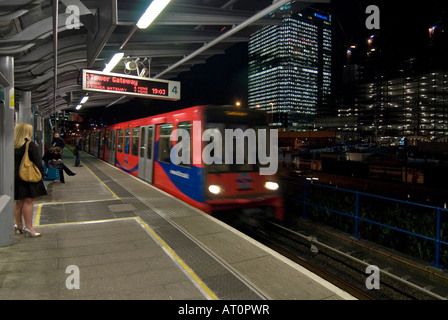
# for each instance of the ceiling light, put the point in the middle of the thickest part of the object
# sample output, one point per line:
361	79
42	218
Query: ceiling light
84	100
113	62
79	106
154	9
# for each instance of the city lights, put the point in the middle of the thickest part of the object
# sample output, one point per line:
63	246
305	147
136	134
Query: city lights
407	106
290	68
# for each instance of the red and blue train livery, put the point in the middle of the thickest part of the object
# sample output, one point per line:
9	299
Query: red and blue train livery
142	148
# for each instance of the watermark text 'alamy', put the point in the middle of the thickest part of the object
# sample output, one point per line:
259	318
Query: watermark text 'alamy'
262	145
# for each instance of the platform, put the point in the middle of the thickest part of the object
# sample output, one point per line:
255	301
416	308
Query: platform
129	240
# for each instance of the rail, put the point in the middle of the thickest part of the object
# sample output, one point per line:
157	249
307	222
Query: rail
359	214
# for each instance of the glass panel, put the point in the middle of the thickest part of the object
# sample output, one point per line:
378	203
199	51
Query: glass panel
127	140
239	151
135	137
120	141
186	125
165	142
149	143
142	143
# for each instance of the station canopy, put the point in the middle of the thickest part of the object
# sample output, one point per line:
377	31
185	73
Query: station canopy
89	33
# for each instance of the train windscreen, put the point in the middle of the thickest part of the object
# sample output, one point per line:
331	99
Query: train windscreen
233	138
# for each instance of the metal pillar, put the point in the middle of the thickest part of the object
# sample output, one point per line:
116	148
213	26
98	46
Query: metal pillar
55	57
25	110
7	153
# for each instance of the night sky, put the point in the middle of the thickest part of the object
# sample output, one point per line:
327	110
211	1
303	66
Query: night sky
223	79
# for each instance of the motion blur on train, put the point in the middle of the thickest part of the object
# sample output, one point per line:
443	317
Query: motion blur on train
215	158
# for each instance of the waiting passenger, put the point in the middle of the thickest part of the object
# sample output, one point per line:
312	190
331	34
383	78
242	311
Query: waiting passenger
53	159
25	193
58	141
77	151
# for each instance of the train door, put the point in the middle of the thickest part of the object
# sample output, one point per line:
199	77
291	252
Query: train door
146	157
101	145
112	146
94	144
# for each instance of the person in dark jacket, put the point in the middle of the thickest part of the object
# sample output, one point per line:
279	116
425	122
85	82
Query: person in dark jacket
53	159
58	141
25	193
78	148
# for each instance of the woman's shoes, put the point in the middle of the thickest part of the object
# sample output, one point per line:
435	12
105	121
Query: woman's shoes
18	229
30	234
25	230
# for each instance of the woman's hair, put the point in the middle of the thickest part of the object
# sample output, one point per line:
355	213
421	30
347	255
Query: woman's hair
56	150
22	131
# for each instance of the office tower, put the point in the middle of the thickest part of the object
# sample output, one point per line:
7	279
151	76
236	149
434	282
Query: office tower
403	93
413	106
290	69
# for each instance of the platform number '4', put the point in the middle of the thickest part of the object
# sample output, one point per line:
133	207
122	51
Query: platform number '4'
175	91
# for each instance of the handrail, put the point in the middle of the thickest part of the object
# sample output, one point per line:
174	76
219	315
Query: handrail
355	216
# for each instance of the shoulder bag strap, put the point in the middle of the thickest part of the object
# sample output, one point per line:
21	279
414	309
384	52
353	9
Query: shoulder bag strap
27	144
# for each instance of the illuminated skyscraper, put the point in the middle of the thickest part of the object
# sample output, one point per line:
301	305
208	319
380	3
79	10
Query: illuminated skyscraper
290	69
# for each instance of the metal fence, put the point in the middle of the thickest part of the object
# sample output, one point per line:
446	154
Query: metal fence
412	228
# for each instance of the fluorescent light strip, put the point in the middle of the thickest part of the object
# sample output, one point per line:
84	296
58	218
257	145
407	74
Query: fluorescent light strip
84	100
113	62
154	9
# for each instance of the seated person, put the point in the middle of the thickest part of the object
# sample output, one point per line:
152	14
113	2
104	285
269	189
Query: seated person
53	159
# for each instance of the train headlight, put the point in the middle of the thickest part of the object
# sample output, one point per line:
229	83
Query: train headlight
215	189
273	186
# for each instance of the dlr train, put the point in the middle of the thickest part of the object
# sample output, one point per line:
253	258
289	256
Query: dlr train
215	158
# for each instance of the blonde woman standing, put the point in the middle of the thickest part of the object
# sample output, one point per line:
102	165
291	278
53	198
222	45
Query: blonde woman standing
25	193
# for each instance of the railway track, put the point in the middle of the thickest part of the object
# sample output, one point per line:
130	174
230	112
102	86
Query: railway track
290	251
344	269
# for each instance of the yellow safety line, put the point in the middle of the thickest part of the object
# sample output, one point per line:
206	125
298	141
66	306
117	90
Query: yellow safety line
100	181
144	224
76	201
37	220
86	201
83	222
154	236
179	260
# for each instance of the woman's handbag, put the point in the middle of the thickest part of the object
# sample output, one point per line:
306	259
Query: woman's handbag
55	164
28	171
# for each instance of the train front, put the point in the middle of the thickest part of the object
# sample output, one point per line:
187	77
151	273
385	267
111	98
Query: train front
241	158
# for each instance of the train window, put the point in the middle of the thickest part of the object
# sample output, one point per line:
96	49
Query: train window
107	140
120	141
127	140
135	134
186	148
112	139
239	161
242	152
165	142
142	142
149	143
218	163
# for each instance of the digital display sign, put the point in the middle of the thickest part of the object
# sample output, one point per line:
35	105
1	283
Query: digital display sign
130	85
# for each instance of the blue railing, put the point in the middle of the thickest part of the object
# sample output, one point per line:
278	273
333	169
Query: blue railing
357	214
